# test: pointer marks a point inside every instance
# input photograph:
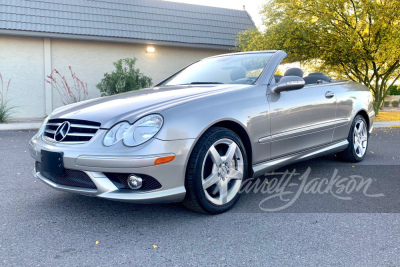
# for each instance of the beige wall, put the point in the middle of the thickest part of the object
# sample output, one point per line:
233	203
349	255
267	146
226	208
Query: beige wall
22	59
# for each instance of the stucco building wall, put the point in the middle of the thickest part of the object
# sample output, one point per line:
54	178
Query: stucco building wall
23	59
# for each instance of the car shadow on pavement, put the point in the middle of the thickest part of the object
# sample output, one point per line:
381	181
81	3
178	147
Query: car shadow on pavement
75	206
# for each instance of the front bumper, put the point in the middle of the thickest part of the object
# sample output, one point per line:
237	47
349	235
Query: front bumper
95	160
106	189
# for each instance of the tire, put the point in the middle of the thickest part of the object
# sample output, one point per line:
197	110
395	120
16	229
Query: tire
354	153
213	180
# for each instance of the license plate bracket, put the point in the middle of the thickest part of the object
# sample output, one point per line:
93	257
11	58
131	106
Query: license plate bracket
52	162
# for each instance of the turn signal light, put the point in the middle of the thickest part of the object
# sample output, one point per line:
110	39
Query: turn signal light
163	160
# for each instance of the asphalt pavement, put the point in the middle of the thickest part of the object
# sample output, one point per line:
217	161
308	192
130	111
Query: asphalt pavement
321	212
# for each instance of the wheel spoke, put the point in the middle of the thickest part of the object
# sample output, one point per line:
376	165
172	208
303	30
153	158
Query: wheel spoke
235	175
210	180
215	156
231	153
364	138
217	187
361	127
223	192
356	144
360	149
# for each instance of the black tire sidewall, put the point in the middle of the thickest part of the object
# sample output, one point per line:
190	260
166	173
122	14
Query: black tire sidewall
351	138
219	134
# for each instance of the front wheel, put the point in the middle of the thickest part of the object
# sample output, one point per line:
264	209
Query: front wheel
358	141
216	169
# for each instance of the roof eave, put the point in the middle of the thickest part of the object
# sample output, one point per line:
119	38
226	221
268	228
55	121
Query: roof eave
111	39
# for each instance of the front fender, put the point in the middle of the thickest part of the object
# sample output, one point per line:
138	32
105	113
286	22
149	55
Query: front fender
247	107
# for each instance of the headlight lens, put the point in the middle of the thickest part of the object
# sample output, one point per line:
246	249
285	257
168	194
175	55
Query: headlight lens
136	134
143	130
116	133
41	129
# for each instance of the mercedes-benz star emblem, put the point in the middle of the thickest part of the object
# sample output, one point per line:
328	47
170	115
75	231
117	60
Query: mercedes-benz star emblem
62	131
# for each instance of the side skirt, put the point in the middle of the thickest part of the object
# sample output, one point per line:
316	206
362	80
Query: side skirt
268	166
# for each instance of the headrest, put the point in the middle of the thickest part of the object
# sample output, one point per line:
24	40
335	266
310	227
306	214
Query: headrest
315	73
294	72
315	77
238	73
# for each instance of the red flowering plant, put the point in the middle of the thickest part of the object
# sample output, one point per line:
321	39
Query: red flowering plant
5	109
69	92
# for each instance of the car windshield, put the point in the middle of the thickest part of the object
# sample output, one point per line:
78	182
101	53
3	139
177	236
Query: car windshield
229	69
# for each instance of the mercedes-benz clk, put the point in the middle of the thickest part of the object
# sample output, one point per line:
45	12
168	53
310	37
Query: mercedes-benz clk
195	137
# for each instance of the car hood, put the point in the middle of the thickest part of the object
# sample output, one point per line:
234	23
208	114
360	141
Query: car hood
133	105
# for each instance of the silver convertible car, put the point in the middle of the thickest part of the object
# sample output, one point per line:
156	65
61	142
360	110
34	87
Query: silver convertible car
196	136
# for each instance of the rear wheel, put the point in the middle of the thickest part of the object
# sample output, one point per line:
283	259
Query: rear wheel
216	169
358	141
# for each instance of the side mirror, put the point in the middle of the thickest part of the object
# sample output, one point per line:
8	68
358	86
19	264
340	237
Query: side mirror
288	83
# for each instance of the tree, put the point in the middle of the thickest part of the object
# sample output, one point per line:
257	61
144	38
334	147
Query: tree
356	39
125	78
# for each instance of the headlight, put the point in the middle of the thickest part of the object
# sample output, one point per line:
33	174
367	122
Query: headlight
136	134
41	129
116	133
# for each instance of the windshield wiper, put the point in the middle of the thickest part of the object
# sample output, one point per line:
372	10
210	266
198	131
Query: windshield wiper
203	83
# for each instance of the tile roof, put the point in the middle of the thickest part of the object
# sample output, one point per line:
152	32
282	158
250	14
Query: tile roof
150	20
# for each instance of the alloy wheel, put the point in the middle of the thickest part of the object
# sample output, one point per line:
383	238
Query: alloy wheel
222	171
360	138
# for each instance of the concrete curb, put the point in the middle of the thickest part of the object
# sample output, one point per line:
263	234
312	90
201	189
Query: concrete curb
380	124
20	126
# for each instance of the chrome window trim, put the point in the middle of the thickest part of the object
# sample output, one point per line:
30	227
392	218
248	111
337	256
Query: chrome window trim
311	85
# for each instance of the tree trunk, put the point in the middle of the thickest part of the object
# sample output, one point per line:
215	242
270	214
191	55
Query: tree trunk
378	102
376	108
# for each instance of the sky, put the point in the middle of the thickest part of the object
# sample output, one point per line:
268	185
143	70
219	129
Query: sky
252	6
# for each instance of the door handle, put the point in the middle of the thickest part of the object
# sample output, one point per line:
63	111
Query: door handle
329	94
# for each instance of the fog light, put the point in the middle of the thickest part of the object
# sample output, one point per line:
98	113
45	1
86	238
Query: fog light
134	182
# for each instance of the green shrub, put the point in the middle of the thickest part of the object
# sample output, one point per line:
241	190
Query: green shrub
125	78
5	109
395	103
394	90
386	103
5	112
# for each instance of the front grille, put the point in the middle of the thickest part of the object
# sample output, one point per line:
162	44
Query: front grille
80	132
120	180
71	178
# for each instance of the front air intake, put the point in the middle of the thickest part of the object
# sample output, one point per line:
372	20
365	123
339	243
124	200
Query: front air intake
71	178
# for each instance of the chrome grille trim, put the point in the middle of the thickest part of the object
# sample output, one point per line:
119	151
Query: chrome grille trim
79	132
53	124
84	126
50	140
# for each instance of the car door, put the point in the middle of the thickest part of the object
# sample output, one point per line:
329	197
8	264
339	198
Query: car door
301	119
